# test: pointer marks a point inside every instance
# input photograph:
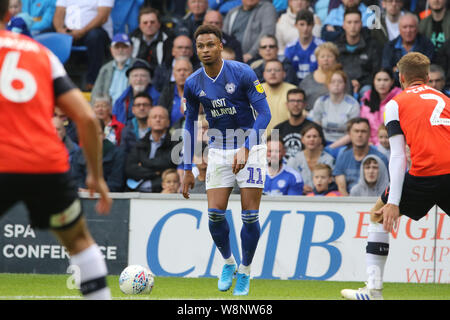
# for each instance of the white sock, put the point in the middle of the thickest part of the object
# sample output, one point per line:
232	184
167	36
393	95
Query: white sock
378	240
244	269
92	272
230	260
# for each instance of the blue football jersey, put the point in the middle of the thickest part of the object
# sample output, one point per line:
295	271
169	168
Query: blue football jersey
229	101
286	182
303	61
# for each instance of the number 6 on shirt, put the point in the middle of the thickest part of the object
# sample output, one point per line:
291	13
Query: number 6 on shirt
10	74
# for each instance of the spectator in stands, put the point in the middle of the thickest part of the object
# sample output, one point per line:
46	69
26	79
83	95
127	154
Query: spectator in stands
383	141
347	168
113	165
359	56
374	101
20	23
69	125
248	22
138	127
285	29
437	79
280	179
300	53
170	181
228	54
388	23
373	178
103	111
150	42
41	12
14	7
276	91
112	79
172	95
151	155
90	25
267	51
290	130
193	18
443	59
71	146
332	25
409	40
314	84
223	6
182	47
333	110
436	26
323	182
139	76
215	18
313	143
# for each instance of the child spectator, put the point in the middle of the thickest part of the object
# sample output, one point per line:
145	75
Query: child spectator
323	182
383	141
170	181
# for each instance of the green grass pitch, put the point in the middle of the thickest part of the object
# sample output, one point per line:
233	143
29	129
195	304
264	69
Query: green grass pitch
53	287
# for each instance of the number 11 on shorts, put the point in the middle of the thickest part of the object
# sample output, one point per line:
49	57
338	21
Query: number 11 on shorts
251	173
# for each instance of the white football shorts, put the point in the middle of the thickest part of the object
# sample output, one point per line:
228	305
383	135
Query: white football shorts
219	172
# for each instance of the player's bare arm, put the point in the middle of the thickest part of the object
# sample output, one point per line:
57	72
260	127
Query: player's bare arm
188	183
75	106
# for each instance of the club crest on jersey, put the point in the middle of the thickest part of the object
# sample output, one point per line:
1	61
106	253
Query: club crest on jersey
230	87
258	86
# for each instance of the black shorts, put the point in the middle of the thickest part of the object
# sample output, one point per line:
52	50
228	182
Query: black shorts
51	199
420	194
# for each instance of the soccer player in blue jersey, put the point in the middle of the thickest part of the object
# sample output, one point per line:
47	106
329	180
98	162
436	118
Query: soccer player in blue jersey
231	95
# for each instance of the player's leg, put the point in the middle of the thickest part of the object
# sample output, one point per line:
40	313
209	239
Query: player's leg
376	255
250	233
219	229
85	255
56	206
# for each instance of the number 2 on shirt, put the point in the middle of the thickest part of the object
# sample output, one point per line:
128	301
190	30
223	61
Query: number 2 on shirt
435	118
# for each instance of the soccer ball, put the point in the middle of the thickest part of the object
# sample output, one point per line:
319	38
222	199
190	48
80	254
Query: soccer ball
136	279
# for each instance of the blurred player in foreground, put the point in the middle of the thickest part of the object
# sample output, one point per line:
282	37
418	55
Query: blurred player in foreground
230	94
34	166
420	118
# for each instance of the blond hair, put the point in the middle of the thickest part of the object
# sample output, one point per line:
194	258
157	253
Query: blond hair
414	66
323	166
169	171
330	46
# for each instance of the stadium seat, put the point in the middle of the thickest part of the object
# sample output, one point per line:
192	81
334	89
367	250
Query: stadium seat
60	44
125	15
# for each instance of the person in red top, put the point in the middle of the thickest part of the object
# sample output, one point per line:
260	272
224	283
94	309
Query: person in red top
34	162
420	118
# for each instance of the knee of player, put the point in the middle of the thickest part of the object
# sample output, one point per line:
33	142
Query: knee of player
216	215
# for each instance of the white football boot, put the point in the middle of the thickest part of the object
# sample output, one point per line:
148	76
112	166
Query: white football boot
362	294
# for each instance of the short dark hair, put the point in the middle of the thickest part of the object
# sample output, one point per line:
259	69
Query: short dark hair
319	129
353	9
356	120
208	29
3	8
148	10
145	95
305	15
296	91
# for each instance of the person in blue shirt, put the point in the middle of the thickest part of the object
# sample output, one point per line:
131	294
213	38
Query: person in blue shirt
348	162
301	52
237	111
41	11
280	179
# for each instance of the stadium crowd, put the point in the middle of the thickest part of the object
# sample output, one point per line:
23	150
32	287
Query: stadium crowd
328	68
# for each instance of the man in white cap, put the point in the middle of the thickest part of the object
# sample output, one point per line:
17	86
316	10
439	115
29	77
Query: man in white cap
112	79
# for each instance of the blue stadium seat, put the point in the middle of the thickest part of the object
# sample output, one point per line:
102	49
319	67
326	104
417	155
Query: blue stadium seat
60	44
125	15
